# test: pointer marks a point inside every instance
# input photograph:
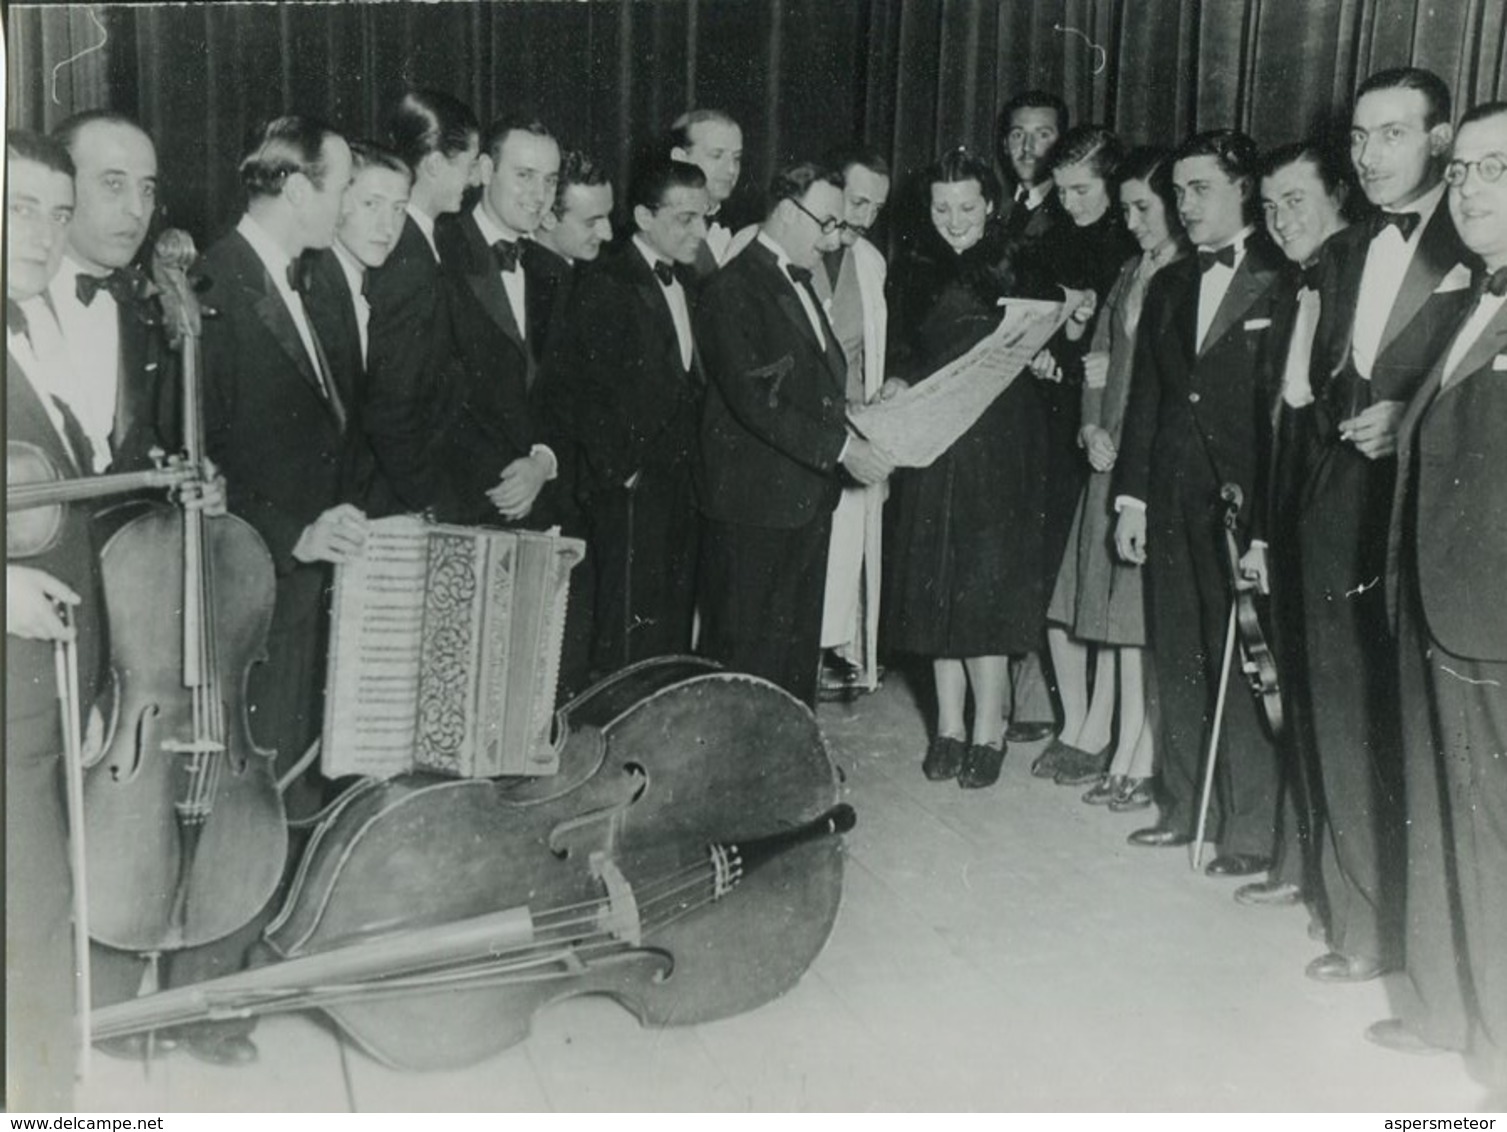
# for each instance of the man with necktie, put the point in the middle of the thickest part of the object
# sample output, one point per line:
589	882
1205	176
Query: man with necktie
1447	556
626	377
711	140
773	437
338	300
1390	292
494	461
1190	428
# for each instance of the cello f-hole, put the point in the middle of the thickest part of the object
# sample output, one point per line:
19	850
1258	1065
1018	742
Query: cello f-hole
138	749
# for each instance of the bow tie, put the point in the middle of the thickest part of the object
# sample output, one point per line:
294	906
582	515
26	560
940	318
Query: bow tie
507	253
669	274
1493	282
1405	223
300	274
1310	277
801	276
1225	255
121	283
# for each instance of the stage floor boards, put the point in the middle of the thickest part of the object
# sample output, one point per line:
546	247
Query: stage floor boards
1001	949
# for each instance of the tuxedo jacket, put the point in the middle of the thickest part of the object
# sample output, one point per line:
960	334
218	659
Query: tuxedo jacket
32	722
1421	320
774	422
402	406
1449	514
486	371
1028	225
148	408
546	295
331	308
616	377
1199	415
269	426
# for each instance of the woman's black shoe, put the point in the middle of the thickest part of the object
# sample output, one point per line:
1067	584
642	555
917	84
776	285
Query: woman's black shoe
944	758
981	766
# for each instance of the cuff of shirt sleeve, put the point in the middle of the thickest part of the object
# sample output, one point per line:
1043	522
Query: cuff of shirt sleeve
842	453
1124	501
549	458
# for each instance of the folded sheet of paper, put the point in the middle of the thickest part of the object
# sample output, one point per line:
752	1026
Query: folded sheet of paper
918	425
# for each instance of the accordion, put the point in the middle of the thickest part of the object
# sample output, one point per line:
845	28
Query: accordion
445	651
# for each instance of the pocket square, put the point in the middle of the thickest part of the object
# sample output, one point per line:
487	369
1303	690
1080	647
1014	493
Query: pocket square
1457	279
1499	364
1257	323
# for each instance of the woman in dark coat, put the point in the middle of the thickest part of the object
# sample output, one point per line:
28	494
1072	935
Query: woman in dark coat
965	585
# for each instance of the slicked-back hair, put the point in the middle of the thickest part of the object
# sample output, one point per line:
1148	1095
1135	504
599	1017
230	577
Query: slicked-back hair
680	129
961	164
1335	171
576	168
277	149
498	131
660	174
1096	145
66	132
27	145
1237	157
1483	111
371	155
431	121
871	159
794	181
1026	100
1153	164
1435	93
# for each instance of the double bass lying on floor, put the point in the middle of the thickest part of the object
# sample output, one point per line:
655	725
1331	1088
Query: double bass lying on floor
431	917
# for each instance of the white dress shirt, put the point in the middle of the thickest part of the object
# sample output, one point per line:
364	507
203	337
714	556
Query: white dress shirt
1214	283
1033	195
512	281
91	338
719	240
1470	330
801	292
1387	261
355	276
1297	388
276	261
426	226
674	294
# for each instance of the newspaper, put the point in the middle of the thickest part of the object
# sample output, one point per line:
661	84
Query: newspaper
916	426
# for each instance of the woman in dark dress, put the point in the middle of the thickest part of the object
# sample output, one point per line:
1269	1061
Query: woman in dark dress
966	583
1086	255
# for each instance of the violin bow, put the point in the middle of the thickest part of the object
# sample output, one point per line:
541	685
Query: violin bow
65	664
1208	787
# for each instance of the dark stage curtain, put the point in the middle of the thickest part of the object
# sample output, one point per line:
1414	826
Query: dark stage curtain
912	77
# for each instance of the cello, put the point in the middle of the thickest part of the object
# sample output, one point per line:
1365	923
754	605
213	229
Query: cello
187	836
682	862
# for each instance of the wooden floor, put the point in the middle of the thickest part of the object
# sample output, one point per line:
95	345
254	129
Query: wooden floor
1001	949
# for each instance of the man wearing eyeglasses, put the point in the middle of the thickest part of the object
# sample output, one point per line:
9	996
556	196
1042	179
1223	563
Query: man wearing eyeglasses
774	435
1447	558
851	286
1390	292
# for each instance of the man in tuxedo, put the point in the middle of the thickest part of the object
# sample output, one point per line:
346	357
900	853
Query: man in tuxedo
1447	556
851	285
495	463
571	233
1305	188
1390	292
1191	427
711	140
630	376
41	1047
337	297
1027	129
773	438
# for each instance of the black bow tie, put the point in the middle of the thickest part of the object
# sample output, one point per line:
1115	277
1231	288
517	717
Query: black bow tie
15	318
1225	255
1405	223
299	274
508	253
1310	277
1493	282
664	272
801	276
121	283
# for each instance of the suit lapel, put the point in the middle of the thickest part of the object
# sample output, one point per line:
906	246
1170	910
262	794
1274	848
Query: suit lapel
783	291
62	449
1435	256
485	281
268	306
1493	341
1252	279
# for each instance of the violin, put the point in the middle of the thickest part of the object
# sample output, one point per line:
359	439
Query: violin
1257	662
683	862
187	835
